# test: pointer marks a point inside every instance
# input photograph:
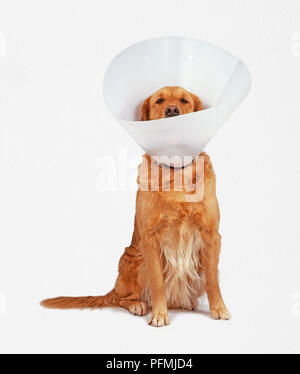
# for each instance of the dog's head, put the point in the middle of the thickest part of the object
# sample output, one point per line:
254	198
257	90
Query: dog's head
169	102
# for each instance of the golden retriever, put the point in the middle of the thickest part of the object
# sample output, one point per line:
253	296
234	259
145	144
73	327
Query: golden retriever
174	253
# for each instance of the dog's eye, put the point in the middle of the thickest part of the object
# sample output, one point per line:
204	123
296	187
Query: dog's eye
184	101
160	100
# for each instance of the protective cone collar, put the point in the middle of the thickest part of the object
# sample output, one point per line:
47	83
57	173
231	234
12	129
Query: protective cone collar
220	79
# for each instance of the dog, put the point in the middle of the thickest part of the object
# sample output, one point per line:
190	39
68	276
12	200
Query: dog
174	253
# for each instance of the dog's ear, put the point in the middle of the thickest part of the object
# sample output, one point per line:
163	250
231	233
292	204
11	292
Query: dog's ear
197	102
145	110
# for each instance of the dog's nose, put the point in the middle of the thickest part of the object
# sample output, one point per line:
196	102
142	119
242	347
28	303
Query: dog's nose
171	111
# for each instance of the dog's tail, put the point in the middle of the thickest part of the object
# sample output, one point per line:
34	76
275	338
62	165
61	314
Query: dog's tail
84	302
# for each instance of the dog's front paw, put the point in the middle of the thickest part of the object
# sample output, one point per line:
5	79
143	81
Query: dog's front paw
220	313
159	319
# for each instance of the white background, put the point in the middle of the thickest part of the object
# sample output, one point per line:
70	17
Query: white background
60	233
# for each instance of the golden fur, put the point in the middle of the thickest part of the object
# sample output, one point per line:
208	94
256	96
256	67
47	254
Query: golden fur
174	252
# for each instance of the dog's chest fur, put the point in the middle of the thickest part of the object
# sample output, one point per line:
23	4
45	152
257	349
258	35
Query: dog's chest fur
179	240
183	275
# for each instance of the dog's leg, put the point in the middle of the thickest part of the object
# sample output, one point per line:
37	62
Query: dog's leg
154	266
131	280
150	221
209	260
